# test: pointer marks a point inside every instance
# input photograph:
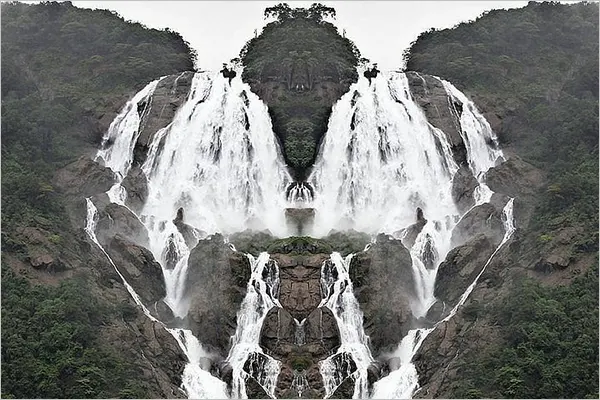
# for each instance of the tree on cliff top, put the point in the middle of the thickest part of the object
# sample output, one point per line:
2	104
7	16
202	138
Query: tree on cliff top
318	53
283	12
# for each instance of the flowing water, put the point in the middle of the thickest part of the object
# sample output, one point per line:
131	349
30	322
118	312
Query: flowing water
340	300
261	296
218	162
382	167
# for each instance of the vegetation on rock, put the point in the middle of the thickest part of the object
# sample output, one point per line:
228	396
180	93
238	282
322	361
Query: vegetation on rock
300	65
66	71
534	71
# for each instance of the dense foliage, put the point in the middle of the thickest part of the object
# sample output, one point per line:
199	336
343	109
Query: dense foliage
537	68
49	344
63	68
300	42
300	65
551	345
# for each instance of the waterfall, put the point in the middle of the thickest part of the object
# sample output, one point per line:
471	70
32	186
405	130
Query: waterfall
116	150
381	165
401	383
217	166
197	382
339	298
381	160
260	297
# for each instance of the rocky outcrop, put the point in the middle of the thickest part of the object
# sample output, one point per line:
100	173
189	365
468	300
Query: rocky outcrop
515	178
460	268
170	93
190	234
215	286
485	219
430	95
139	268
383	285
136	185
116	219
84	178
463	186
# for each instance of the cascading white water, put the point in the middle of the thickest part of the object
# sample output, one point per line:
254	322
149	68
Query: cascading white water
119	140
380	161
401	383
260	298
197	382
340	300
218	160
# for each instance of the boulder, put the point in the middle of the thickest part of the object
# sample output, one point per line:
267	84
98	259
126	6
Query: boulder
463	186
515	178
84	178
136	185
139	268
460	268
116	219
485	219
384	286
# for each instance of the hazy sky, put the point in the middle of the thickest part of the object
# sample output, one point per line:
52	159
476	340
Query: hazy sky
380	29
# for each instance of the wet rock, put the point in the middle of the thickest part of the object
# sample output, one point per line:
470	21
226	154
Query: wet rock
215	286
278	332
515	178
84	178
190	234
430	95
384	285
299	220
169	95
321	328
139	268
136	185
484	219
460	268
116	219
463	186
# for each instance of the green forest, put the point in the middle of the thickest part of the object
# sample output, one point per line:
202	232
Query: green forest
537	68
63	68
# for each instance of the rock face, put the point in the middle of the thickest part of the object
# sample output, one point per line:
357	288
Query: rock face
460	268
139	268
484	219
215	285
116	219
170	93
430	95
515	178
383	285
136	185
463	186
84	177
